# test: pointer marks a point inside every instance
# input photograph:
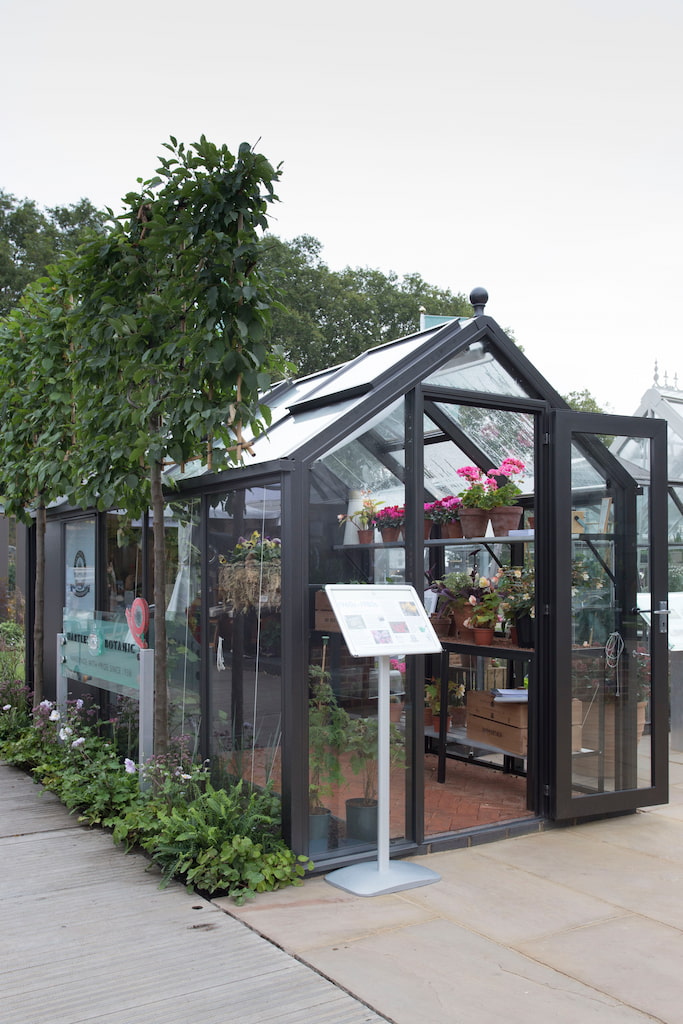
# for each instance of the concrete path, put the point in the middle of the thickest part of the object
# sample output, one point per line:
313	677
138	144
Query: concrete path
571	925
87	936
581	924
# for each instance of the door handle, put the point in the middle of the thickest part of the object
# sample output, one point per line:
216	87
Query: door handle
663	612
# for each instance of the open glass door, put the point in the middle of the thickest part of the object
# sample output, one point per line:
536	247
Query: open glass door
608	647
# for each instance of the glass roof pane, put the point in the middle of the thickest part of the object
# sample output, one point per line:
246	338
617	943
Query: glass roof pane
476	370
370	365
498	433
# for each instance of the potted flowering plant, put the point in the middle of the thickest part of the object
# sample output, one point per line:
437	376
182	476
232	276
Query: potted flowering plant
517	589
362	517
459	593
389	521
487	493
484	611
444	512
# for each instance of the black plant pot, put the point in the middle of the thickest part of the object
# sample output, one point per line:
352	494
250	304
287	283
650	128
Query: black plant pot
361	820
525	630
319	830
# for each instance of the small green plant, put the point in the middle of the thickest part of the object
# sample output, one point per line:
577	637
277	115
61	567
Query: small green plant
362	744
327	732
224	841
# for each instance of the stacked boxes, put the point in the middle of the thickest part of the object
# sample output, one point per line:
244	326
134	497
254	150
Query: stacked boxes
325	620
502	725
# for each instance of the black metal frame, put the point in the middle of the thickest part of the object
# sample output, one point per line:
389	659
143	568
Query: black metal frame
547	734
564	425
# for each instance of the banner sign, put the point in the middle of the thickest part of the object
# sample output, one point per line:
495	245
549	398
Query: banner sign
101	650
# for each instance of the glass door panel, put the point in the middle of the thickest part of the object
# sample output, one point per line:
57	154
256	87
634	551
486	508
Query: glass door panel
610	592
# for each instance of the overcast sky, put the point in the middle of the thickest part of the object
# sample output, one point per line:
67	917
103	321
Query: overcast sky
532	147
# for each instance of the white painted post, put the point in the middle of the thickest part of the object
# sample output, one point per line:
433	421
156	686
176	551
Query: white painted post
146	735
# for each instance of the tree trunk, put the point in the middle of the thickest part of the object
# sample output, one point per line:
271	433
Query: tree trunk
39	617
160	650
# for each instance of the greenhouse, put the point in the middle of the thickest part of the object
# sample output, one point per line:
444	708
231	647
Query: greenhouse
393	468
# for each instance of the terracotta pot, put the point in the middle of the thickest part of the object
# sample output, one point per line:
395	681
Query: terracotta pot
458	717
463	634
483	635
442	625
452	529
428	715
473	521
428	529
395	712
366	536
505	518
390	534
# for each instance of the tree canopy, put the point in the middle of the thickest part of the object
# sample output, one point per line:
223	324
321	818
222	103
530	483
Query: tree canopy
326	317
153	335
32	238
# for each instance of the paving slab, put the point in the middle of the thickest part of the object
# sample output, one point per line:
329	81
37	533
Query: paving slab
89	938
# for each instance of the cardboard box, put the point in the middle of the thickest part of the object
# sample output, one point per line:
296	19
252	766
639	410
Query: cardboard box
495	677
482	704
505	737
325	619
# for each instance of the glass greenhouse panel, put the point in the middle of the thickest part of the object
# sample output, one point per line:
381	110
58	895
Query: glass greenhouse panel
476	371
245	674
498	433
610	655
357	491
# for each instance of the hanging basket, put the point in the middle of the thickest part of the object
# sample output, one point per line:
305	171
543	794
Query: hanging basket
251	584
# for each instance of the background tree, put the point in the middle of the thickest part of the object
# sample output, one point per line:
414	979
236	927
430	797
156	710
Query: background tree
326	317
583	401
36	421
169	341
32	239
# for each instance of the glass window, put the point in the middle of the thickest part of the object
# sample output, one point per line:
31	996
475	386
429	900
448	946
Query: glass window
245	670
476	370
349	486
79	556
610	652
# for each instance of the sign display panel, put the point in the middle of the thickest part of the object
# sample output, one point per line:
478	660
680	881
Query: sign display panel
382	620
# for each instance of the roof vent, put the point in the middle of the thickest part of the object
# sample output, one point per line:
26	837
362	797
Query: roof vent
479	297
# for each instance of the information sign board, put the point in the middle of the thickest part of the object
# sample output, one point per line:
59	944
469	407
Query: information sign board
380	620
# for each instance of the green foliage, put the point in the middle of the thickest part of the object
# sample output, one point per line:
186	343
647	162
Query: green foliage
31	239
11	652
361	741
224	841
328	726
15	707
216	840
582	401
326	317
170	324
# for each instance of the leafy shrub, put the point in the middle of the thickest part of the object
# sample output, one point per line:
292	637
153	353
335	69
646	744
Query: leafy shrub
224	841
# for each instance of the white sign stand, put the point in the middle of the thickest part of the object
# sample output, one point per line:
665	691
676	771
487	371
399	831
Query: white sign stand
379	621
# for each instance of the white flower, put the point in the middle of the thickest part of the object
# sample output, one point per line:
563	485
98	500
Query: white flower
79	704
7	707
78	743
55	716
45	705
130	766
65	732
